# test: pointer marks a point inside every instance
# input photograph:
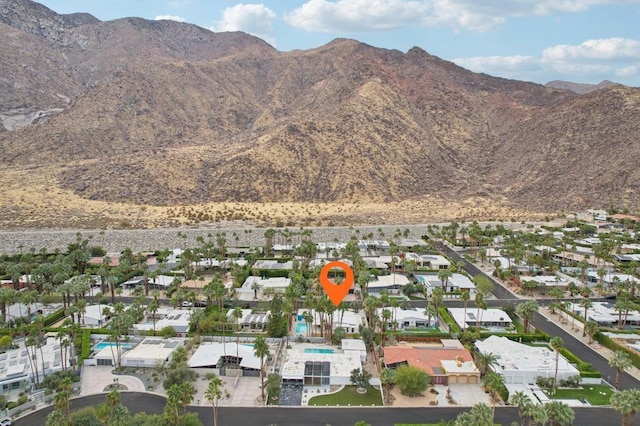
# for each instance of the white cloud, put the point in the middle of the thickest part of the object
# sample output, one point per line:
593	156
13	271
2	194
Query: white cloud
499	64
592	60
600	49
169	18
595	58
255	19
348	16
629	71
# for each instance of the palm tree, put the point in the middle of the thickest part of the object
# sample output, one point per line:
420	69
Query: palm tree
387	377
261	350
621	361
526	311
522	401
627	402
493	382
557	344
484	361
62	398
537	414
255	287
172	407
586	304
443	276
213	394
465	296
237	314
119	416
560	414
480	304
153	308
482	414
57	418
591	328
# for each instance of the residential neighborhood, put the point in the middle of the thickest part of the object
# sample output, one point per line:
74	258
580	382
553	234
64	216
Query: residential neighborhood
258	319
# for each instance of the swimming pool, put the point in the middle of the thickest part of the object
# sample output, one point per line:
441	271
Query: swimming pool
102	345
301	328
318	351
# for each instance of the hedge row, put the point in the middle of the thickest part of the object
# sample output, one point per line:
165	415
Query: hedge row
446	317
585	369
520	337
608	342
86	345
272	273
53	318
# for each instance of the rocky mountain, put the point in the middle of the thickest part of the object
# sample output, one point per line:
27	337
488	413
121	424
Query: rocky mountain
165	113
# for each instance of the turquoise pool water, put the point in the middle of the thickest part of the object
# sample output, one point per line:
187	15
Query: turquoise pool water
301	328
318	351
100	346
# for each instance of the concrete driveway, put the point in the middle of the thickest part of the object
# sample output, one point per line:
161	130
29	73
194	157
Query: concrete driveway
94	379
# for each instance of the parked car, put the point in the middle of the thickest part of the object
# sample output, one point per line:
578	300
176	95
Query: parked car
6	421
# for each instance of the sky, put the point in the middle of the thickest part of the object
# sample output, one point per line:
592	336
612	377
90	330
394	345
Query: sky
582	41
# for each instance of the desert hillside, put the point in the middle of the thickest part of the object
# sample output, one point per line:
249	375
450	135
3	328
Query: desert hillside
132	120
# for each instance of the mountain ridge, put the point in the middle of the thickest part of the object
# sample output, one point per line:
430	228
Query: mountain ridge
167	113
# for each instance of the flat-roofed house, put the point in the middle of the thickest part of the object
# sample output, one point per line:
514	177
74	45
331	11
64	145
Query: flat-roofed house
518	363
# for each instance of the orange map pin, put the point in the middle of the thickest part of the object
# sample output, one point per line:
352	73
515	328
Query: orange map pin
336	292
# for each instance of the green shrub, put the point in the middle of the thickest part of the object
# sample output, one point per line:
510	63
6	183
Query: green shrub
607	342
168	332
446	317
53	318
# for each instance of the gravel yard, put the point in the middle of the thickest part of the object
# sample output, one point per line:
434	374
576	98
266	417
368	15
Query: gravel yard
151	239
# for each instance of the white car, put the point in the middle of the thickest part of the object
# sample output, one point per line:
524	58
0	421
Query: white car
5	421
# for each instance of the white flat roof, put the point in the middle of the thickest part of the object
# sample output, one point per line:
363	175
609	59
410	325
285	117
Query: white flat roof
153	348
176	318
389	280
96	312
603	312
514	356
548	280
452	366
461	281
209	353
272	264
275	282
486	315
404	314
341	364
353	345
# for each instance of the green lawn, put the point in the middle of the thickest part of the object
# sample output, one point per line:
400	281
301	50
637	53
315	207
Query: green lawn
593	394
348	396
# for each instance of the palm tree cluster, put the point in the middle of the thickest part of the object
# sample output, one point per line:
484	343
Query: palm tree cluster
555	412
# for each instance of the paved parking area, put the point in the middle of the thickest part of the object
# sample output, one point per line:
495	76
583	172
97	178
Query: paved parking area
245	394
464	394
291	395
95	378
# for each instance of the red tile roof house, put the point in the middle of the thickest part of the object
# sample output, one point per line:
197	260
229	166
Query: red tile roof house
446	364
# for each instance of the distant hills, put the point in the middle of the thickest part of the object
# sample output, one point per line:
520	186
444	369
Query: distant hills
580	88
166	113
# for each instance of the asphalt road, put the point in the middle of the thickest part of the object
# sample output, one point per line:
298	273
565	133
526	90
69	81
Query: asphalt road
293	416
573	344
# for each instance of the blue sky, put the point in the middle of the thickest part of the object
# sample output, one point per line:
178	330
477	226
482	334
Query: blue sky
584	41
